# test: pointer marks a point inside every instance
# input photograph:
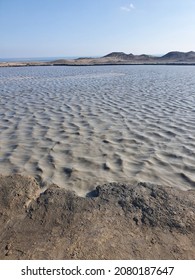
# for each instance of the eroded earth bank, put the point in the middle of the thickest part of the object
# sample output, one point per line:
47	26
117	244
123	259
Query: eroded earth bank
115	221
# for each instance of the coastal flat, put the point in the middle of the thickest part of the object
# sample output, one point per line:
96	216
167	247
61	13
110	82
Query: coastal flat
82	126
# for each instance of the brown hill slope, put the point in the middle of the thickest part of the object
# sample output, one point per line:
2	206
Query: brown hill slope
173	56
179	56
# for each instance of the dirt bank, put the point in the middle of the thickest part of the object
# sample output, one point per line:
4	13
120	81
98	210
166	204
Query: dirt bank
115	221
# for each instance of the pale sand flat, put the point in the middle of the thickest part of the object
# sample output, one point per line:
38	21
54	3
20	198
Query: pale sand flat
79	127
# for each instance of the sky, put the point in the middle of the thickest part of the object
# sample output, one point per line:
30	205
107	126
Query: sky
66	28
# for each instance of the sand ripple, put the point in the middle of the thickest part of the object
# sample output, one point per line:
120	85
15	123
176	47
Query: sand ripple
80	126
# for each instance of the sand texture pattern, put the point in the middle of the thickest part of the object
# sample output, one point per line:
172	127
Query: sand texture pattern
115	221
78	127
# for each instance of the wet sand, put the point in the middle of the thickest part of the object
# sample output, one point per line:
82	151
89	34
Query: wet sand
80	127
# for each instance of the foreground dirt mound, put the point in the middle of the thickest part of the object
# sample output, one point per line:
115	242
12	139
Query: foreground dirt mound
115	221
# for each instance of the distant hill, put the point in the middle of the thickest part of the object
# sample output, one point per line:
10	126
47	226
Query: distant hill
124	56
119	55
116	58
174	56
179	56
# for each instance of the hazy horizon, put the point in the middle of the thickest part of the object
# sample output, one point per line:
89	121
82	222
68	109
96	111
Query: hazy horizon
49	58
56	57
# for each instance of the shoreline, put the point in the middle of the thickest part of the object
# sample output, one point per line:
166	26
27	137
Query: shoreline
114	221
114	58
27	64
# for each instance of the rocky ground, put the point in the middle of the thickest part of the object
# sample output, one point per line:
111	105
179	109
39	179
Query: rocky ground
115	221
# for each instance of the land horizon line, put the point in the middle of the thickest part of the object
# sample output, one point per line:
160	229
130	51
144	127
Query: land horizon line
113	58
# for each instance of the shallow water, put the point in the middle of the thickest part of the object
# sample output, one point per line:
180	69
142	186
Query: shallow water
81	126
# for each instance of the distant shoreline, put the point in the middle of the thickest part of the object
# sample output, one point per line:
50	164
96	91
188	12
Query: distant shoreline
24	64
114	58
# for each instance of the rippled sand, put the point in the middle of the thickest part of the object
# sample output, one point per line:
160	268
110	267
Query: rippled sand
81	126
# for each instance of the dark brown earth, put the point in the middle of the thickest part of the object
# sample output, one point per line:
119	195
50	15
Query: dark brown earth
115	221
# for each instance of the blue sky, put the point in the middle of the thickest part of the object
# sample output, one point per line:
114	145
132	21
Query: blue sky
43	28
